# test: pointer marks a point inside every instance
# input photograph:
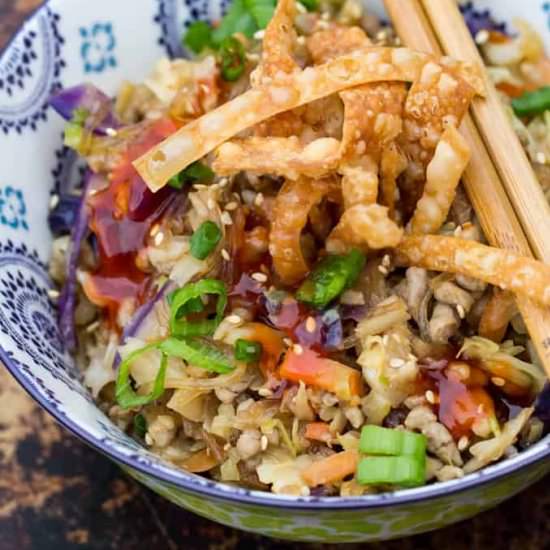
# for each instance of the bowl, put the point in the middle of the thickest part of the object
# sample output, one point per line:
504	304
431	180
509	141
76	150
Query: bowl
64	43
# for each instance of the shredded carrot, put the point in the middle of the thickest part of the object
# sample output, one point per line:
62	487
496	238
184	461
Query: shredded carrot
272	345
322	373
318	431
331	469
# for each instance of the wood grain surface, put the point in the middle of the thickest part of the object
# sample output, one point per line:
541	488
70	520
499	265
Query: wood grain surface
56	493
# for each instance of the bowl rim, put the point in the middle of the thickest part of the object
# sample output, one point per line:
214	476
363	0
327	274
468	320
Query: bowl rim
228	493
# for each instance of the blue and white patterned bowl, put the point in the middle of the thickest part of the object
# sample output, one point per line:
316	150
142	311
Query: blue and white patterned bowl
64	43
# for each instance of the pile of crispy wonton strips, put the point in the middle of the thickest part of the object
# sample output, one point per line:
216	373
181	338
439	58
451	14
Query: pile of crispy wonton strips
388	129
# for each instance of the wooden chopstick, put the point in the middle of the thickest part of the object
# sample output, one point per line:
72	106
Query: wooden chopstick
481	181
510	159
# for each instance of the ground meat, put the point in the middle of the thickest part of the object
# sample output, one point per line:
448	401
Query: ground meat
162	430
449	293
443	324
249	444
447	473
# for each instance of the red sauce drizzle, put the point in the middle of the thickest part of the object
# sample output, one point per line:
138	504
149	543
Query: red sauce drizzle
121	218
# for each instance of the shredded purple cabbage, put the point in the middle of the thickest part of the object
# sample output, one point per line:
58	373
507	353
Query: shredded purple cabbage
141	313
67	300
90	98
63	217
478	20
542	406
353	313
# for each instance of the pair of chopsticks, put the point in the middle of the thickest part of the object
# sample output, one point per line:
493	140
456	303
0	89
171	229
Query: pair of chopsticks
495	190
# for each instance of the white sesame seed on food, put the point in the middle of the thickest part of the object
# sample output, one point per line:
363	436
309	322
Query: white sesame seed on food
111	132
386	260
227	446
264	442
259	199
541	157
233	205
463	443
460	310
287	342
430	397
325	16
154	230
54	201
323	25
226	218
396	362
260	277
311	324
223	182
382	270
92	327
211	204
298	349
225	255
457	231
233	319
482	36
53	294
498	381
159	237
199	186
253	57
259	35
300	8
265	392
301	40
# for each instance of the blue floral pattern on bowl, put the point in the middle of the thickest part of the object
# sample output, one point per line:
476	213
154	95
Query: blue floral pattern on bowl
63	44
98	47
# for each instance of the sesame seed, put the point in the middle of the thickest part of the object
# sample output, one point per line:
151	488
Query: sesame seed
304	492
301	40
287	342
92	327
498	381
397	41
226	218
231	205
430	397
259	199
223	182
385	340
211	204
382	270
457	231
253	57
323	25
54	201
259	35
111	132
386	260
463	443
311	324
148	439
396	362
300	8
154	230
233	319
541	157
225	255
199	186
260	277
159	237
298	349
461	311
325	16
264	442
227	446
480	409
53	294
482	36
265	392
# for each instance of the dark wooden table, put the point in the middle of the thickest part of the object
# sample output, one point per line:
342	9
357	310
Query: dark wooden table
56	493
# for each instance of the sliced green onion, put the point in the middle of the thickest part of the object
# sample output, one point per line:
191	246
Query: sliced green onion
205	240
261	10
376	440
247	351
180	307
198	36
232	59
310	5
140	425
199	353
197	171
532	103
330	278
126	397
237	19
406	471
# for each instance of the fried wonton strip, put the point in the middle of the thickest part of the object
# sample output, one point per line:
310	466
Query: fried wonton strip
278	44
202	135
278	156
330	43
364	226
292	205
452	154
359	181
392	164
497	315
496	266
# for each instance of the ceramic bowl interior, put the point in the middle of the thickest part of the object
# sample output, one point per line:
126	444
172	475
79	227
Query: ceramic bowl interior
65	43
